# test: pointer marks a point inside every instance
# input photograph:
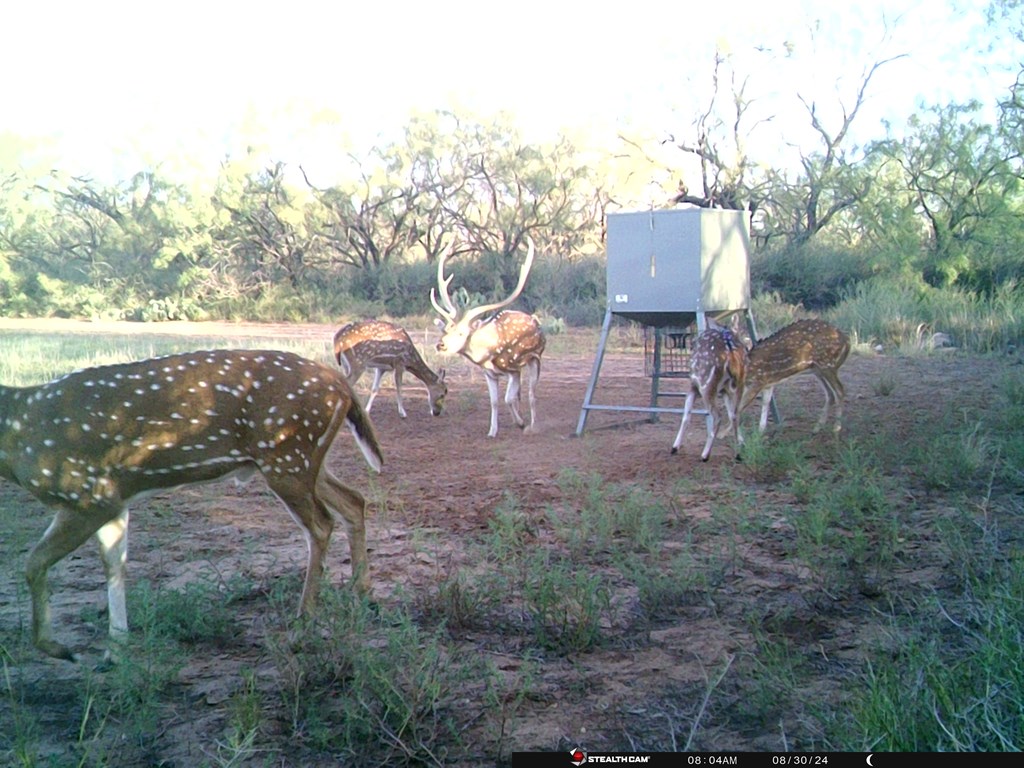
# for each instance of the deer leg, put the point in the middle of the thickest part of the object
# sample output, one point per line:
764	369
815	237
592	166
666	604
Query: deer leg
829	398
512	397
68	531
113	541
766	401
532	372
492	391
378	374
351	506
731	406
709	405
317	525
835	393
399	370
687	409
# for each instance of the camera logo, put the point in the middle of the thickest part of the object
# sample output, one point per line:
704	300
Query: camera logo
577	756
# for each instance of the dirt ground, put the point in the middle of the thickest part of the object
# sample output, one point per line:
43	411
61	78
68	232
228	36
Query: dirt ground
444	477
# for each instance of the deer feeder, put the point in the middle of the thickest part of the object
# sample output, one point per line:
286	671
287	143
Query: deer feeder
669	271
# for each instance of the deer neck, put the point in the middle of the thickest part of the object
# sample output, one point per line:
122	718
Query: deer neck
418	368
482	343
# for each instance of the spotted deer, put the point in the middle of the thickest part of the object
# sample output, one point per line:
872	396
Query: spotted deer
718	362
90	442
385	347
509	343
812	346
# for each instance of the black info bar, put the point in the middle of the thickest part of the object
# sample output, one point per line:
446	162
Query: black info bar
580	756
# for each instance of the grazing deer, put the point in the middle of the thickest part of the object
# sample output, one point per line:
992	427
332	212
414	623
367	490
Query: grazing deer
508	344
385	347
811	346
91	441
718	363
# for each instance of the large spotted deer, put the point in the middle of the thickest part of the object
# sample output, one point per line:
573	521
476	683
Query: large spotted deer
384	347
509	343
812	346
91	441
718	362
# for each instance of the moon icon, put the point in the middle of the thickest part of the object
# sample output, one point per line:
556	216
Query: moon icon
868	759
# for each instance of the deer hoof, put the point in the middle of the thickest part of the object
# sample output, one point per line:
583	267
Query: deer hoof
57	650
674	450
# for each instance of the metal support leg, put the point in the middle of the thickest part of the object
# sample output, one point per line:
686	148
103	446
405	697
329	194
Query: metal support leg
656	376
589	397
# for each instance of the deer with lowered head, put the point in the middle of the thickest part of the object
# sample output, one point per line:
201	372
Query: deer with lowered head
384	347
92	441
718	367
509	343
811	346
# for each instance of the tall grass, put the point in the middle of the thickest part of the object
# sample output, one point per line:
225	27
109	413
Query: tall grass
904	314
34	358
958	690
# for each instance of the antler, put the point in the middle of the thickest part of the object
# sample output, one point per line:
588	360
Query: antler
524	272
449	312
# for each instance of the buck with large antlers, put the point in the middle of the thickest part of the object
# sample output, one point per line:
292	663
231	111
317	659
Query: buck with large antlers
812	346
718	363
385	347
89	442
509	343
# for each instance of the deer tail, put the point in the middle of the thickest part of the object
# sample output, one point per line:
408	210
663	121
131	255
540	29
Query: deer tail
361	427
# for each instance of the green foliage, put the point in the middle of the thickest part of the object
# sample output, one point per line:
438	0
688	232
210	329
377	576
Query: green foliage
769	460
607	518
376	689
846	522
958	459
199	612
663	587
945	696
961	174
905	313
811	275
398	290
567	604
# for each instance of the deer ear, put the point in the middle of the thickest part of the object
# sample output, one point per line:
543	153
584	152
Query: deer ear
439	322
476	324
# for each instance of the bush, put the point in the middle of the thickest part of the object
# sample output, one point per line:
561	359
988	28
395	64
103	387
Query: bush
812	275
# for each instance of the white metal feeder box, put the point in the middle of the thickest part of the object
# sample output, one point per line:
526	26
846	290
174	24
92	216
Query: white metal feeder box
663	263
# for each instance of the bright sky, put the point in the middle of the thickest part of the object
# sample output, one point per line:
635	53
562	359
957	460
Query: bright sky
113	86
